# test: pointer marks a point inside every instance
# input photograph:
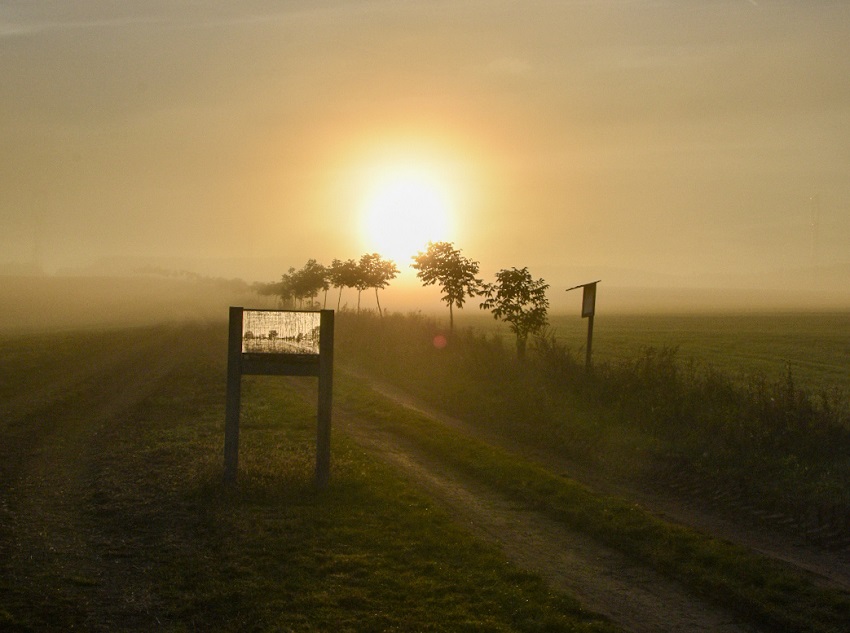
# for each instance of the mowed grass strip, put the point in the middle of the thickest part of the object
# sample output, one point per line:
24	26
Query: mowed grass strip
164	545
761	590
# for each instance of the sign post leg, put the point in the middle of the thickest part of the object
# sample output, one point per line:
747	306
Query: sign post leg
234	395
323	427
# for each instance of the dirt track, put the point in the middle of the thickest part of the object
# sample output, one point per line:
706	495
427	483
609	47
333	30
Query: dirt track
636	597
830	567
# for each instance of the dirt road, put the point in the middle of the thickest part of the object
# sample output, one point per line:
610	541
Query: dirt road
636	597
827	566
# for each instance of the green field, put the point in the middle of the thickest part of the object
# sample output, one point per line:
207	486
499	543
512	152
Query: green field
815	346
779	440
114	515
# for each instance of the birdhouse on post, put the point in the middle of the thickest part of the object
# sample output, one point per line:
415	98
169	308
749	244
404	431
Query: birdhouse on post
588	309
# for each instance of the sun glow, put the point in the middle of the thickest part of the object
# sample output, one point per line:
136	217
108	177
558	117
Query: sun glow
404	209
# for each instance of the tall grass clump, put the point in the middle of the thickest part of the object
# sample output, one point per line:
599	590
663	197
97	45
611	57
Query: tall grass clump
769	443
465	372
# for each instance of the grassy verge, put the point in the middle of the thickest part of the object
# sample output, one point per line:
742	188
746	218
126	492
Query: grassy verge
769	445
151	540
761	590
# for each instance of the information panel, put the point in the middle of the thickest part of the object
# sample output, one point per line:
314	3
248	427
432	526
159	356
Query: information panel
279	343
280	332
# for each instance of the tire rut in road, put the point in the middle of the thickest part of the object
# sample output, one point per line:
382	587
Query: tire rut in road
605	581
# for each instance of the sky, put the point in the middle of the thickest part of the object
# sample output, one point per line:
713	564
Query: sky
674	138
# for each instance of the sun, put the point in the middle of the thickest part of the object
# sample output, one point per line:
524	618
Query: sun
404	209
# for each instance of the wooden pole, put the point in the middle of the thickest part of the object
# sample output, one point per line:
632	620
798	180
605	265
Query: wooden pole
234	395
589	342
323	426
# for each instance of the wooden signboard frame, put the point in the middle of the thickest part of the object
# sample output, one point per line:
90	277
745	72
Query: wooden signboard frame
276	363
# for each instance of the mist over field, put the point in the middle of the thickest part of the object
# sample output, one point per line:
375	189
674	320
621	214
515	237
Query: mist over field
56	303
39	302
691	155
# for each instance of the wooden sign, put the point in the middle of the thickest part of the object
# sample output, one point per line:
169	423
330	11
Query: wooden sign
279	343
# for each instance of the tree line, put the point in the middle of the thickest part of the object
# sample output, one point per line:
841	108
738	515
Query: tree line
305	284
515	297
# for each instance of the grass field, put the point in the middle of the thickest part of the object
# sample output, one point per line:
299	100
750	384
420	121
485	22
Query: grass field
764	592
113	515
768	442
815	346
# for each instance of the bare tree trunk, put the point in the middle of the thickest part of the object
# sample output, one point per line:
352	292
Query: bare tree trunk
379	303
451	318
339	299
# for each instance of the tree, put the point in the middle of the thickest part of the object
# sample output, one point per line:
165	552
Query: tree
375	272
442	263
286	288
271	289
308	281
343	274
520	301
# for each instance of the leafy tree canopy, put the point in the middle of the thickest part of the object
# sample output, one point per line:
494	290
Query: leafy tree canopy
443	264
304	283
520	301
343	274
375	272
